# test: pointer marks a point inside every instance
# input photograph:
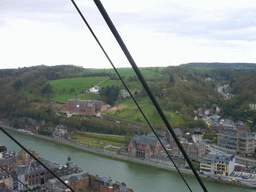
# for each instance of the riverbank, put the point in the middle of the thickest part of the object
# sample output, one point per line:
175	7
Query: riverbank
113	155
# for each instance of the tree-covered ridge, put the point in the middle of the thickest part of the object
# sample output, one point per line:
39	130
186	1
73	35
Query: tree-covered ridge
220	65
27	92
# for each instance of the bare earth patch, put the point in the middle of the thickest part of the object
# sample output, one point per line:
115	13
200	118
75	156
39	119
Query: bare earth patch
119	108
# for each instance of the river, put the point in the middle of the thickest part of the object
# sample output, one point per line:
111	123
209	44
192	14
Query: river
139	178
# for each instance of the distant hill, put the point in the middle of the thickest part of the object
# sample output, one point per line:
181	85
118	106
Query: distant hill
220	65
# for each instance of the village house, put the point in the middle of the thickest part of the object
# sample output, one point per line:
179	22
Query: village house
94	89
60	131
219	164
142	146
200	112
228	123
208	112
85	107
252	105
124	94
216	118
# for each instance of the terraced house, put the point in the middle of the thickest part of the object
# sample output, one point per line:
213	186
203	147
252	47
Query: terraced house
238	140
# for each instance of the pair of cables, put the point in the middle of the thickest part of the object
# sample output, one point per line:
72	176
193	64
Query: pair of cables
143	82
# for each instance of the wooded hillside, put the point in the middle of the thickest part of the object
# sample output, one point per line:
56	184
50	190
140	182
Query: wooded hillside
27	93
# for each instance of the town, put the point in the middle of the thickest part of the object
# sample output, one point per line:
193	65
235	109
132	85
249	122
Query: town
214	122
20	172
229	159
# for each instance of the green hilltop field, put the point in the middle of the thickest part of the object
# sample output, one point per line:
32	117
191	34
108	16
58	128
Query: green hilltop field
127	110
71	88
123	71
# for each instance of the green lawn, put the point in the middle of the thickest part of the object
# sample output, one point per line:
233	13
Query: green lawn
107	139
88	143
112	149
65	89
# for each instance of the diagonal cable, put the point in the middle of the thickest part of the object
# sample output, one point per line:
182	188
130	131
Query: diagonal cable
130	93
143	82
41	163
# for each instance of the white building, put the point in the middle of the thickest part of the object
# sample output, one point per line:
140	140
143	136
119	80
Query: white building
252	105
60	131
94	89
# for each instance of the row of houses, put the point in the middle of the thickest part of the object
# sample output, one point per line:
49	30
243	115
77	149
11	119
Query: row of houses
18	172
218	123
142	146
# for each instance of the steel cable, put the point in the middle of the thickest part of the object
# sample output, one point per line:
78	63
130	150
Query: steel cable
87	24
143	82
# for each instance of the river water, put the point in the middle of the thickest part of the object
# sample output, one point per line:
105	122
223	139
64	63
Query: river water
139	178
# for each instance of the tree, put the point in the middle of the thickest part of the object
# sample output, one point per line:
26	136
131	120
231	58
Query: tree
47	90
72	90
171	79
17	85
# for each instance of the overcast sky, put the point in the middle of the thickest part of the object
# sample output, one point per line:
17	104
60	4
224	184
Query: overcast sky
156	32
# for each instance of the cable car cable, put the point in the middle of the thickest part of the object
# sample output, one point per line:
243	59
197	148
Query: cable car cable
143	82
129	92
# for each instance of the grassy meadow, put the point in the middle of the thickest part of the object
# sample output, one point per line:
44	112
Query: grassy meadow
127	110
72	88
99	140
